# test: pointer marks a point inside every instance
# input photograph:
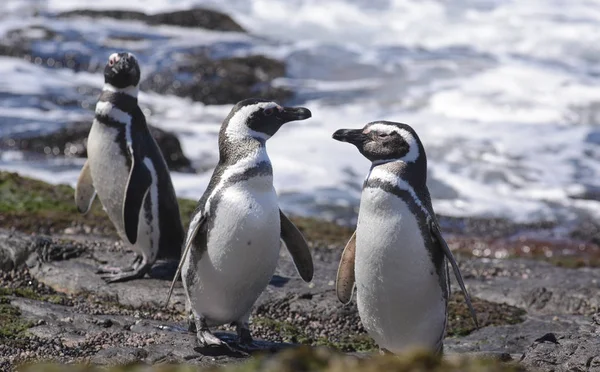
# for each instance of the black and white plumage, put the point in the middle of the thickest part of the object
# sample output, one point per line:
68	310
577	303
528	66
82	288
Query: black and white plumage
397	258
235	234
125	167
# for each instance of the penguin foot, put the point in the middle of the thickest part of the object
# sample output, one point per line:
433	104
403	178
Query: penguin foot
137	270
124	275
243	335
205	338
191	325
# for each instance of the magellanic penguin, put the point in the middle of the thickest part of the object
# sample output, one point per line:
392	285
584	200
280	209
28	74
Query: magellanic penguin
125	167
235	233
397	256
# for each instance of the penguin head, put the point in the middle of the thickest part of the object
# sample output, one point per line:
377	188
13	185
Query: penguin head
122	70
260	119
383	141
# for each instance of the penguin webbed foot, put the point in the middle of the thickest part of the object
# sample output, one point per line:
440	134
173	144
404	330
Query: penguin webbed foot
204	336
136	270
192	325
244	338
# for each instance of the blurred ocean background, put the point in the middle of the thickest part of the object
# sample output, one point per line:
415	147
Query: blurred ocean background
505	95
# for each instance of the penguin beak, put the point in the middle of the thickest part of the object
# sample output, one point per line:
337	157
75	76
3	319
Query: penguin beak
294	113
123	64
353	136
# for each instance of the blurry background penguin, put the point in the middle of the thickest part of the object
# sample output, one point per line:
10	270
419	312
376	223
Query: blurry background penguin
126	168
397	256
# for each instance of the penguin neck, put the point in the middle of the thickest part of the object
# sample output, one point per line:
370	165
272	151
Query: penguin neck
131	90
410	172
249	149
123	99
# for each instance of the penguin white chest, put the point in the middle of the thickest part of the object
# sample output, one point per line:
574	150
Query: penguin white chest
242	250
109	171
110	175
399	297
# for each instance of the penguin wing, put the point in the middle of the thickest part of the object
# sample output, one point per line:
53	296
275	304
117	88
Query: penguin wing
297	246
196	225
139	180
84	191
437	238
344	282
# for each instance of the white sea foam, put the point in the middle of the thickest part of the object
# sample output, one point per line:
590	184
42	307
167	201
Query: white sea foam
504	94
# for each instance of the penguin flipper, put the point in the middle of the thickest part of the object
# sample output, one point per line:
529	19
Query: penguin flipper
195	225
298	248
137	187
84	190
344	281
437	236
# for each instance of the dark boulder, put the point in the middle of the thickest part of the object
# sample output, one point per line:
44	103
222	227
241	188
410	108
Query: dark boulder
222	81
71	141
194	18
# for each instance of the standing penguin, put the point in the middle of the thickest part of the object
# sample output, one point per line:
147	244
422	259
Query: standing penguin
397	255
126	168
236	230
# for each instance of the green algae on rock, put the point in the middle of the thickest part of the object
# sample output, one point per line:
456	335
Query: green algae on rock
460	322
11	324
34	206
31	205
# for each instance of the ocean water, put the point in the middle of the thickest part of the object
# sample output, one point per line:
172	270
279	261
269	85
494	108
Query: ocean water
505	95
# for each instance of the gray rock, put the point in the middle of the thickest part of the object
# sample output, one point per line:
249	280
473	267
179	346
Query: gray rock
218	82
126	322
536	286
578	351
515	339
195	18
16	249
71	141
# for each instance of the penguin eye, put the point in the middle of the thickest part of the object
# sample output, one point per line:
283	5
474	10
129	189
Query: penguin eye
268	112
382	135
111	62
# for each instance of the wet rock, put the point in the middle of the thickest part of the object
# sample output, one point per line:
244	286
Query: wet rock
71	141
515	339
194	18
39	45
578	351
217	82
185	72
82	317
16	249
538	287
171	149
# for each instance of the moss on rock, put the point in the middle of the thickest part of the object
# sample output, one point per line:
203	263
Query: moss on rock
34	206
460	322
323	232
31	205
11	324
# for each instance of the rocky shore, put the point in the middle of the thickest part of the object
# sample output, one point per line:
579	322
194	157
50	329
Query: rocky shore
534	315
538	299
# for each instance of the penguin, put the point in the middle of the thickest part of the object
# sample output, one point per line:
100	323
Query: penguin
397	258
232	244
127	171
234	238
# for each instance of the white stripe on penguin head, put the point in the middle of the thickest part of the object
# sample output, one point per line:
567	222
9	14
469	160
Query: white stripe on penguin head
237	127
